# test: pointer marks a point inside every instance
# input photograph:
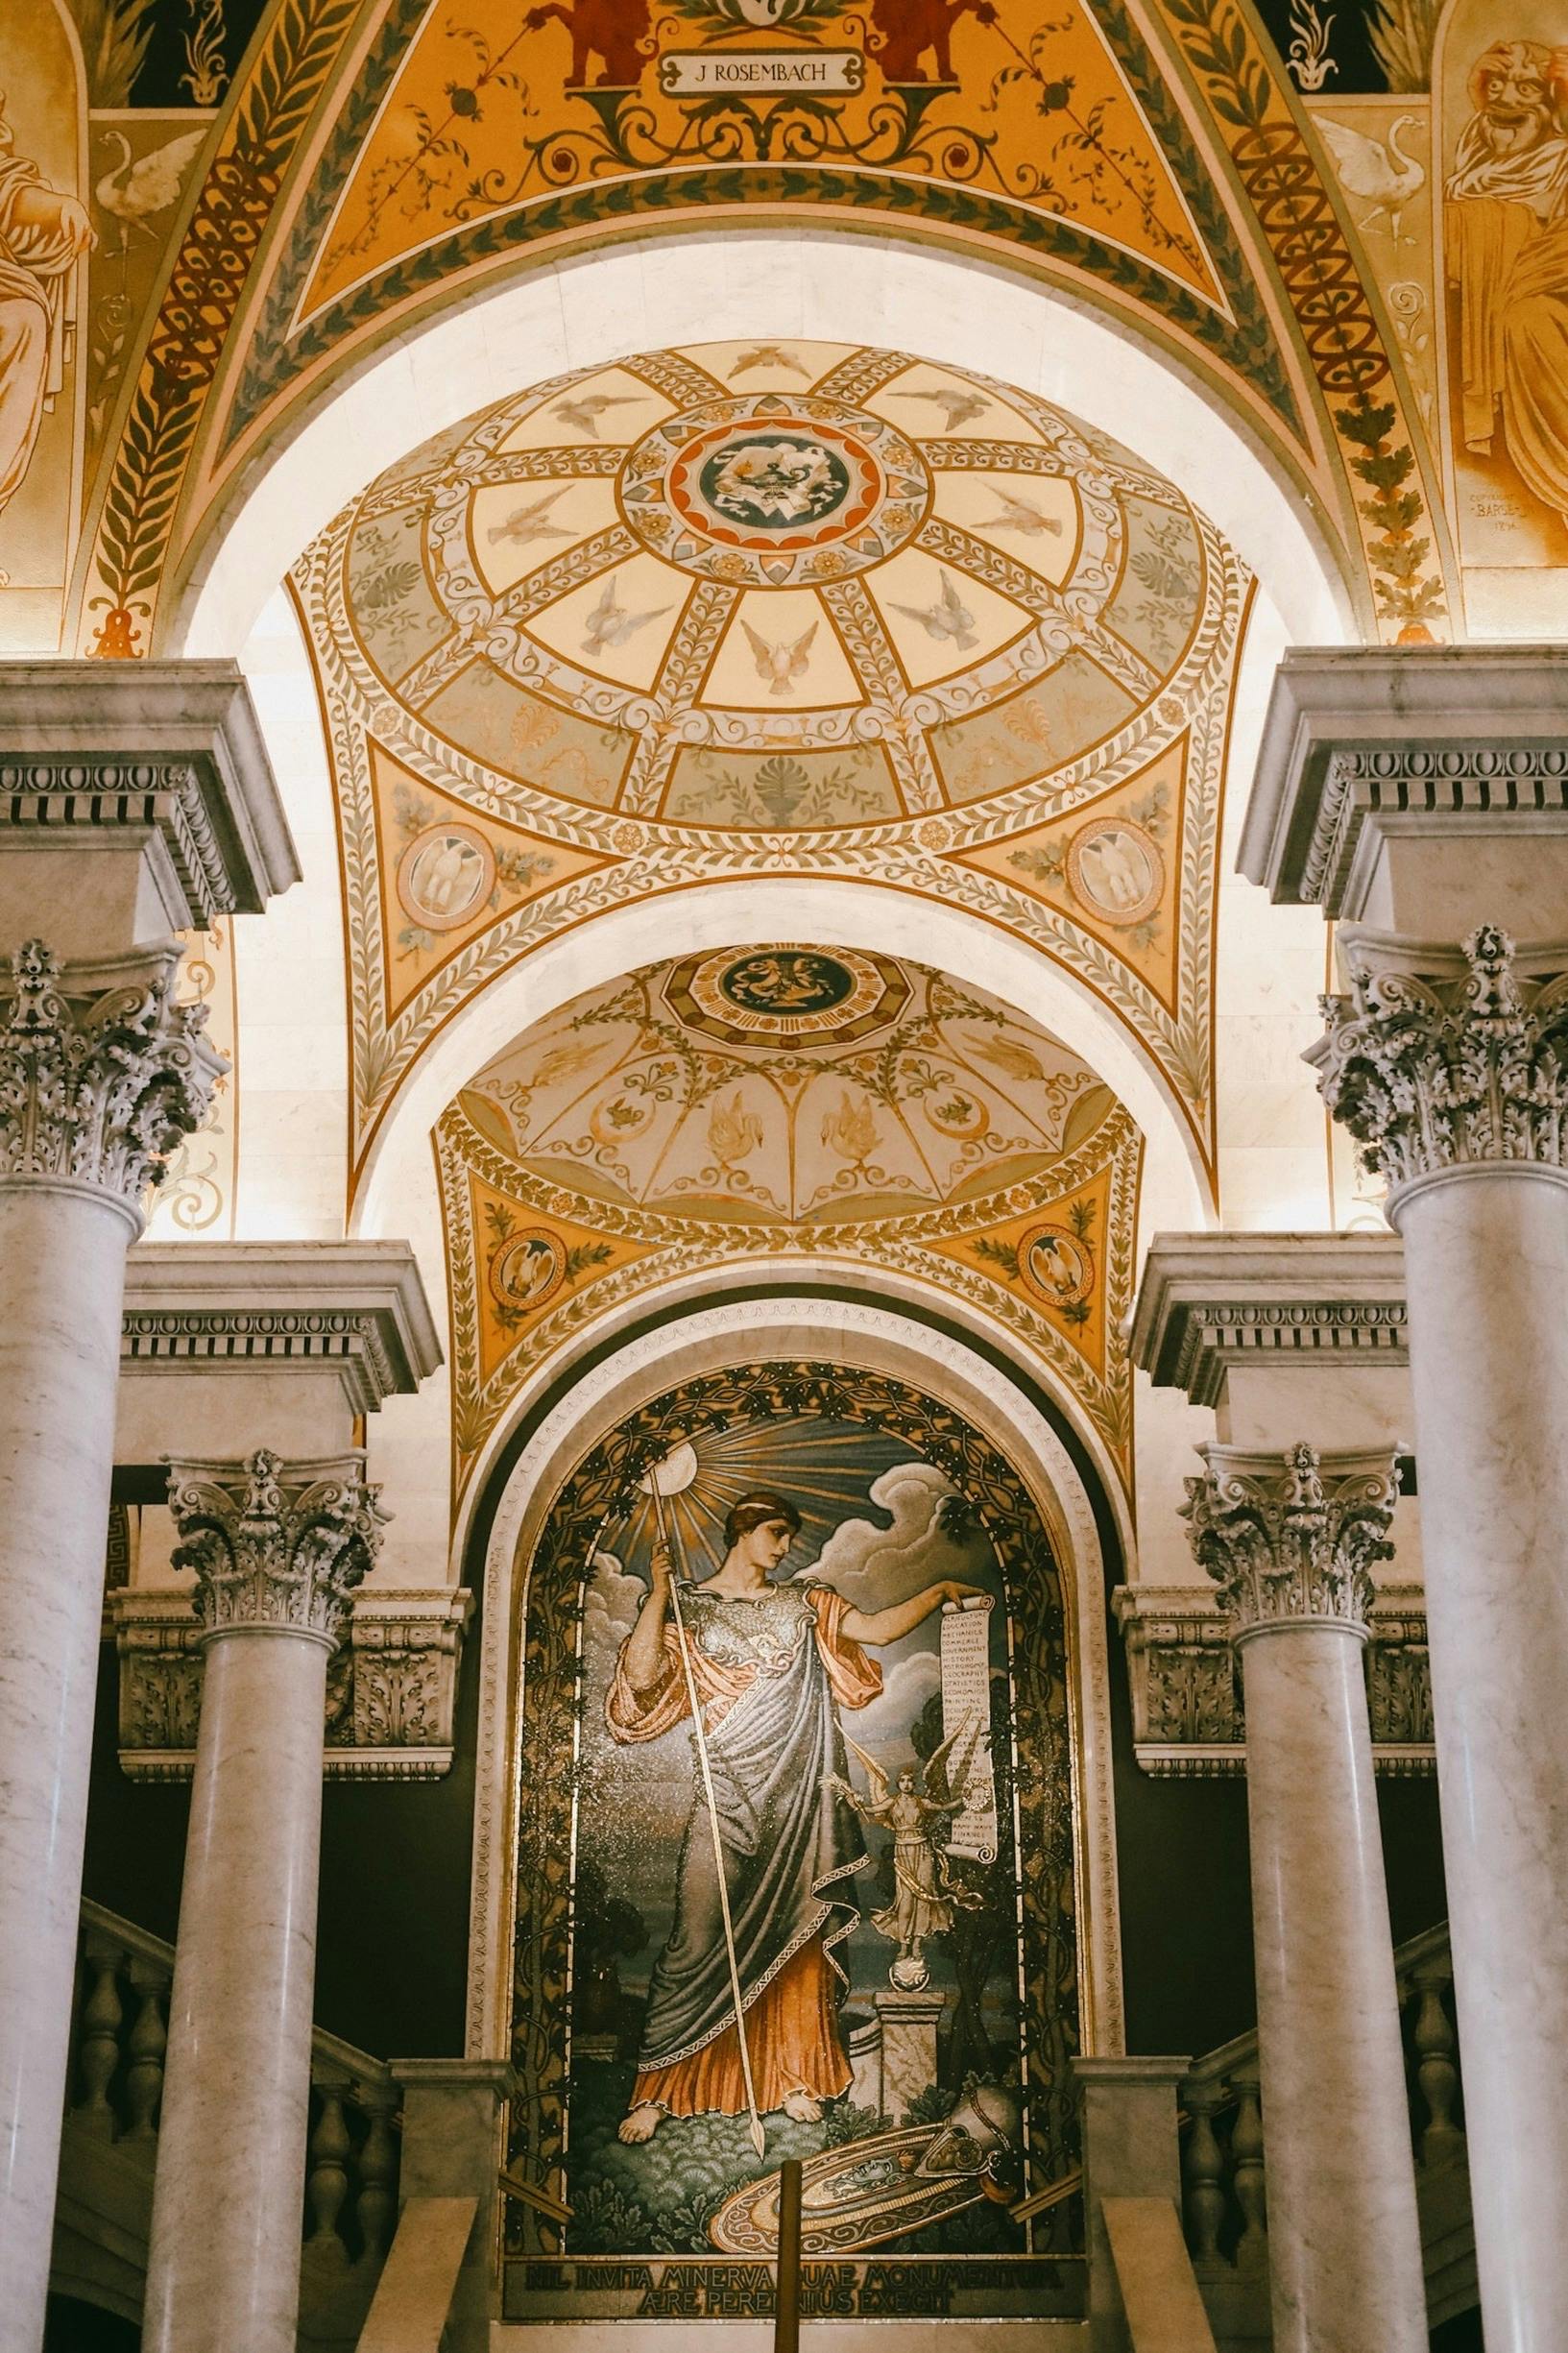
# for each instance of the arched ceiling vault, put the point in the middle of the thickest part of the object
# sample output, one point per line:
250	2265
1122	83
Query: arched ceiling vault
373	166
762	607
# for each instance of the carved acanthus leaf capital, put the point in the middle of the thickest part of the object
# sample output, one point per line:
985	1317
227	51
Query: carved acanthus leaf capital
1436	1070
1286	1537
273	1543
102	1073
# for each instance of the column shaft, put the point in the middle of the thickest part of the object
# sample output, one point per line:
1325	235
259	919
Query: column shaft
224	2269
1487	1271
1344	2236
62	1251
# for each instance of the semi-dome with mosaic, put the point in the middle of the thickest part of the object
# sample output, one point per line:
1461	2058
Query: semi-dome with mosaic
769	586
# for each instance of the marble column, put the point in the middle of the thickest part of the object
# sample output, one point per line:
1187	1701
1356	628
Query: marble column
277	1548
101	1075
1450	1066
1289	1540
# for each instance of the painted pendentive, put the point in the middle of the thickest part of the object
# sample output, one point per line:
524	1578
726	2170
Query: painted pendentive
945	1982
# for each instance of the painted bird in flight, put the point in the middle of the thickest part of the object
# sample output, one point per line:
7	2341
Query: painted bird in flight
957	407
1020	515
781	665
583	415
949	617
767	356
528	523
610	623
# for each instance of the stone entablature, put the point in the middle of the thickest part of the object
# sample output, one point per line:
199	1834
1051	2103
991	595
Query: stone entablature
1362	745
1211	1302
232	1308
1187	1714
167	756
391	1685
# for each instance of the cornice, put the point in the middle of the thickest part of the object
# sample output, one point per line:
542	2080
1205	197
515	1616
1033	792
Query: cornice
169	753
1211	1301
1186	1687
1362	741
237	1307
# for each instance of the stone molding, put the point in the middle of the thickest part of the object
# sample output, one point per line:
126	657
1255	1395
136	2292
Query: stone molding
167	752
237	1307
1209	1301
1186	1709
1362	742
391	1685
1441	1060
1292	1538
102	1071
275	1546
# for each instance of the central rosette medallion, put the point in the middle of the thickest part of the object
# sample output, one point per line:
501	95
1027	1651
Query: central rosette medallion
770	491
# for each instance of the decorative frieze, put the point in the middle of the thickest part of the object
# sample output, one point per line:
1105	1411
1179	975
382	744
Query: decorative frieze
102	1071
1292	1538
1444	1059
1185	1690
1211	1304
274	1544
391	1688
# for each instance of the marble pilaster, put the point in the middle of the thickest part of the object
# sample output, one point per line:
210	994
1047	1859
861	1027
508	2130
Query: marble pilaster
1291	1540
1450	1066
277	1548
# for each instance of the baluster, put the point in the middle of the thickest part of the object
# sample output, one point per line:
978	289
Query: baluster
1247	2155
1443	2140
1203	2176
327	2180
145	2045
378	2169
99	2048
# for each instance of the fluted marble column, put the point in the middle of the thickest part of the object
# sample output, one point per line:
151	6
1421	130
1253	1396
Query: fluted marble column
101	1074
277	1548
1290	1539
1449	1065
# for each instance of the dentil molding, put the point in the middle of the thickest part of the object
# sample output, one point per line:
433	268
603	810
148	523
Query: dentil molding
1209	1303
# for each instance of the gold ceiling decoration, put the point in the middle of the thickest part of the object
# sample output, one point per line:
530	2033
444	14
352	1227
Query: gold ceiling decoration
741	1104
782	606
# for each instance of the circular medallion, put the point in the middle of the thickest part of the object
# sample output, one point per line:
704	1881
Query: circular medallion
954	1111
528	1270
1056	1265
444	876
1115	870
787	996
769	491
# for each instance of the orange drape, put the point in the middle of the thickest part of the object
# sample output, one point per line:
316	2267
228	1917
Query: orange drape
792	2036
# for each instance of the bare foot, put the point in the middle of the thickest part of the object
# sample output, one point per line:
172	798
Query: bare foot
799	2104
642	2124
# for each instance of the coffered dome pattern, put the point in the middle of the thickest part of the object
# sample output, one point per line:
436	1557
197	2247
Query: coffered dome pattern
767	604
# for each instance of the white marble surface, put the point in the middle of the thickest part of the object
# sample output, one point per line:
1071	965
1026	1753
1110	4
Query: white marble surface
1154	2273
1344	2236
63	1251
224	2265
1486	1273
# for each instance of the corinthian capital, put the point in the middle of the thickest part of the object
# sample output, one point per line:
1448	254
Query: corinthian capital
1439	1060
1291	1537
100	1071
276	1544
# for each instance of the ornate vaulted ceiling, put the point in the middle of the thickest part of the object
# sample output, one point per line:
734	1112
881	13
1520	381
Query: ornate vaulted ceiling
780	605
743	1106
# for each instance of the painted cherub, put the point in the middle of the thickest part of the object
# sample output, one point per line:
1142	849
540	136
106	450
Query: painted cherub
922	1899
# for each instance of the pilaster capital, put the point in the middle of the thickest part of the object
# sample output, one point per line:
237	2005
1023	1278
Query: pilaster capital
276	1546
1442	1059
1291	1538
102	1071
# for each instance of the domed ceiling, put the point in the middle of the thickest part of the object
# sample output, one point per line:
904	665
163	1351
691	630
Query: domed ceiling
774	604
745	1102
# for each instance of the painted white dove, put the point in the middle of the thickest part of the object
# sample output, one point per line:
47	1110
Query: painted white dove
583	415
1020	515
767	356
528	523
781	665
611	624
958	407
949	617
